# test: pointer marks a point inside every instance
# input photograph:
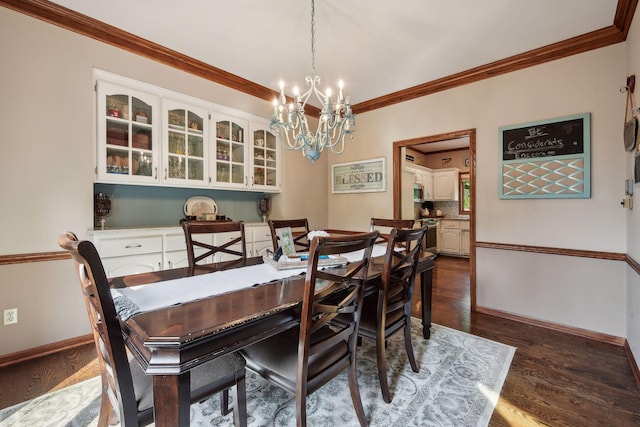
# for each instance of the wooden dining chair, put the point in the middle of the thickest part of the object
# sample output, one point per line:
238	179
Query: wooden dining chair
299	229
219	247
126	390
304	358
389	310
384	226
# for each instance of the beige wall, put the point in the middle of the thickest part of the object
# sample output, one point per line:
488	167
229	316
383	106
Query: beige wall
47	165
633	216
588	82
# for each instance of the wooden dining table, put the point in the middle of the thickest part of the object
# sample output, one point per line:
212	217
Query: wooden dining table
170	341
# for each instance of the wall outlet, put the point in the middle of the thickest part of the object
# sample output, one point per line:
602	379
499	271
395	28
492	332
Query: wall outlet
10	316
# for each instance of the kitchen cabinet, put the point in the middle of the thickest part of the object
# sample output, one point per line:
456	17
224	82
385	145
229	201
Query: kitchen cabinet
453	237
465	238
132	251
148	135
185	153
445	184
265	158
229	164
128	137
427	185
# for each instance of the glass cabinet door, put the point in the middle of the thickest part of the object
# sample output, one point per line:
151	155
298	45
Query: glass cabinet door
265	159
185	150
229	156
127	137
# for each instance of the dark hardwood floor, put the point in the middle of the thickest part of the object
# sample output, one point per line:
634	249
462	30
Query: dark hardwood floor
556	379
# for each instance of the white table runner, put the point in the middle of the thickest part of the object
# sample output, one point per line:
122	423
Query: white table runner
138	299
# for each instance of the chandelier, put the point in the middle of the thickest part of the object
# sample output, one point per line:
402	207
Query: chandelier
335	122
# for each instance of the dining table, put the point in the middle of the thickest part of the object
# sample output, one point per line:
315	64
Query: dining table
171	339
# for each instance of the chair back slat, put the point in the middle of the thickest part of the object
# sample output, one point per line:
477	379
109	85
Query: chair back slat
299	230
196	231
384	226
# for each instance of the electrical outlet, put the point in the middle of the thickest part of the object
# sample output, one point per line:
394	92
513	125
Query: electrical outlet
10	316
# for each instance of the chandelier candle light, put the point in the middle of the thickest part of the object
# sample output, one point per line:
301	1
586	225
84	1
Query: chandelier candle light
336	119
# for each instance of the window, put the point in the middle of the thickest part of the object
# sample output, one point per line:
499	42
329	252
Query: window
464	203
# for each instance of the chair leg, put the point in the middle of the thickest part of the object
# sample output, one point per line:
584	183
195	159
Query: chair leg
352	374
240	402
382	368
224	401
301	410
106	411
409	346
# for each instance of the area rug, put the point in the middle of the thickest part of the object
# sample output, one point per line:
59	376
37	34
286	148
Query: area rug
459	383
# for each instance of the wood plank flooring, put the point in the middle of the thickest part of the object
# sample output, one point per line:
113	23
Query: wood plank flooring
556	379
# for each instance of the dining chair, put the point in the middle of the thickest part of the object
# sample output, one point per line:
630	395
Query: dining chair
384	225
388	310
299	229
127	391
222	247
304	358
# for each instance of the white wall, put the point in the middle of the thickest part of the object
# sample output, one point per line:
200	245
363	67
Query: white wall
47	138
588	82
633	216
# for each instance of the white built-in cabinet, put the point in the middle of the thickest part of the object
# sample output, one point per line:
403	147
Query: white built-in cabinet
151	136
133	251
454	237
445	184
427	185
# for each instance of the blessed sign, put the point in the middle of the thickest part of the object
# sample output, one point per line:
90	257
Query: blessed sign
361	176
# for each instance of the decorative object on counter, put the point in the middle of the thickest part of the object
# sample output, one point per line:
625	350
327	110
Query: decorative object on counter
102	208
198	206
336	119
264	207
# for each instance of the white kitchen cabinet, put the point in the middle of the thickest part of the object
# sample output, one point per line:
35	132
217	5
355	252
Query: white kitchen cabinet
445	184
148	135
229	168
129	253
265	158
454	237
128	142
185	152
427	185
258	240
133	251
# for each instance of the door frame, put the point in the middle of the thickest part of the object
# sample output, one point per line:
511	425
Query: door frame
397	193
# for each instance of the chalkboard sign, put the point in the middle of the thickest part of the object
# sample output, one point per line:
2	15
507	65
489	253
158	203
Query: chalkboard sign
543	139
546	159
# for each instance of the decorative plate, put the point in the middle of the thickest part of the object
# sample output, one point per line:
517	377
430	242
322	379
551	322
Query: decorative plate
199	205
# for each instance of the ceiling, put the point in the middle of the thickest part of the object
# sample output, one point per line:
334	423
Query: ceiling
377	47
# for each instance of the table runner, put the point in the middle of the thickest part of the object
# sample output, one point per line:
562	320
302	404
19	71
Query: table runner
139	299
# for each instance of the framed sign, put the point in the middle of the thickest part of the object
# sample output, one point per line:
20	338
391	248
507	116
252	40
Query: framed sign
546	159
358	177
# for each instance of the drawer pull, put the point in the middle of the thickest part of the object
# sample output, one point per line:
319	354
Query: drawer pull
133	246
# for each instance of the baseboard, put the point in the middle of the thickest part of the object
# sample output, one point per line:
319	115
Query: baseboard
43	350
585	333
632	363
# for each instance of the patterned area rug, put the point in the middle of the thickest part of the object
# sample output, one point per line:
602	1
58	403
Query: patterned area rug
459	383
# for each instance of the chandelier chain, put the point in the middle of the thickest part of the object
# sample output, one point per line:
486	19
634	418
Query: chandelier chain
336	119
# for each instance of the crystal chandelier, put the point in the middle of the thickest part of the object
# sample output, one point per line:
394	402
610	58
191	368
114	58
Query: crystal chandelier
336	119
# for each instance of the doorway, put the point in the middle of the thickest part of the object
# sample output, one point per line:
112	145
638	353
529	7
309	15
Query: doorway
397	189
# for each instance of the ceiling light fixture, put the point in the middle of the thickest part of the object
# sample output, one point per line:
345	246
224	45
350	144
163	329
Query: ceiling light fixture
336	119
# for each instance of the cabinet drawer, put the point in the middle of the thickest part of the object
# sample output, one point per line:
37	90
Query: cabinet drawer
450	225
129	246
464	225
260	234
